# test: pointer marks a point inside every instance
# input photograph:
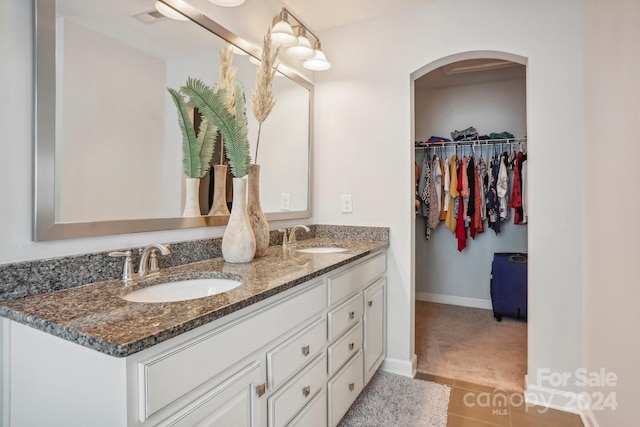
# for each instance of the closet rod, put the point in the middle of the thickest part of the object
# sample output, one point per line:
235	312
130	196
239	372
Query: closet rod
474	142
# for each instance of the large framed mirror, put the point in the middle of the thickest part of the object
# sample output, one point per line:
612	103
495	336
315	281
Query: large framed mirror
108	155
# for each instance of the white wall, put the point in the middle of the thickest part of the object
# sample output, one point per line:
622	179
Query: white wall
489	107
612	105
364	147
250	20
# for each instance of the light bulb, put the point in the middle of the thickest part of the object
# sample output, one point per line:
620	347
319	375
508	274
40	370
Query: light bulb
169	12
318	62
282	33
227	3
303	49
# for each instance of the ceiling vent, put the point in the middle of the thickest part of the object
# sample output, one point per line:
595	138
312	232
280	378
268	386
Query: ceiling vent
149	16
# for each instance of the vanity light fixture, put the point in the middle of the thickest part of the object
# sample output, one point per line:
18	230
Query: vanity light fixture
227	3
318	62
281	32
170	12
305	45
303	49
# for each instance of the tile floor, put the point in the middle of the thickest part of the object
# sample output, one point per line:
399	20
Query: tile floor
473	405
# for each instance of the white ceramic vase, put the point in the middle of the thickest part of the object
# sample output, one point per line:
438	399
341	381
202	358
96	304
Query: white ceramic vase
192	199
238	242
258	221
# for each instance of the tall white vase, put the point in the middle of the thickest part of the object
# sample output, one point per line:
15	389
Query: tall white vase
238	242
192	200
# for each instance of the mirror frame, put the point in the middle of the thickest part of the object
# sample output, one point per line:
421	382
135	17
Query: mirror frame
45	226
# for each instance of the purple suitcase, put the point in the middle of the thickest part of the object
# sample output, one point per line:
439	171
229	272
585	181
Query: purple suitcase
509	285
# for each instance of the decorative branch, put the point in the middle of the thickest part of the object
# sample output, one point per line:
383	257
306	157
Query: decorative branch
262	99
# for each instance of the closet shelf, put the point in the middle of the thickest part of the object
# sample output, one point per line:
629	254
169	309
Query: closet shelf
475	142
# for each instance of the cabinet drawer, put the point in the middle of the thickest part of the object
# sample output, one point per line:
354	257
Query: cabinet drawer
344	389
356	278
345	316
169	375
289	400
344	348
314	414
293	354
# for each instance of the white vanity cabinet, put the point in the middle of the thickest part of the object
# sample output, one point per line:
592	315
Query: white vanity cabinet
299	358
357	319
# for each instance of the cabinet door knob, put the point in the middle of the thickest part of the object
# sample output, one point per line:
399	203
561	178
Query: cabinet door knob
260	389
351	345
352	315
370	303
306	391
352	386
305	350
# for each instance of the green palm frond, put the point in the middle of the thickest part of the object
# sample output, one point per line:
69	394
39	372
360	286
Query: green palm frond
190	146
207	141
211	104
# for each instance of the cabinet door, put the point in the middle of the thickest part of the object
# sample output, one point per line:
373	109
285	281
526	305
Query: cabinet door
231	403
374	327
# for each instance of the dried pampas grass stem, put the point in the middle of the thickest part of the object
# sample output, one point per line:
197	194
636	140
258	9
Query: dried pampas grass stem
262	99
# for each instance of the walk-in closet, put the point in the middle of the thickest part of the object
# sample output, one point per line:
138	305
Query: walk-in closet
472	112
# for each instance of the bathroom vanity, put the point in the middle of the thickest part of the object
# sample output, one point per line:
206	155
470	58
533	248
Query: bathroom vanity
293	345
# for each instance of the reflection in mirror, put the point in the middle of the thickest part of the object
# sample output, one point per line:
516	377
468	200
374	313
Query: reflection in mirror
108	143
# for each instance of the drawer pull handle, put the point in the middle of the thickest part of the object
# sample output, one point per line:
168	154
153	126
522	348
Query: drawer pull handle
306	391
352	315
352	386
351	345
305	350
261	389
370	303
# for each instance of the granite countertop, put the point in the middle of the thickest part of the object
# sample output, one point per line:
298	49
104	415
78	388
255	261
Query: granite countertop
96	316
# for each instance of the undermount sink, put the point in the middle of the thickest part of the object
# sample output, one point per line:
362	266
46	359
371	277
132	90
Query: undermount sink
182	290
322	250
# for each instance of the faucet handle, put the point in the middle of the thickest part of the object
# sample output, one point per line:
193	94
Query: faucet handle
127	270
285	238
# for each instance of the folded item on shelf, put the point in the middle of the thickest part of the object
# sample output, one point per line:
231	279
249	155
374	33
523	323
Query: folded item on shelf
467	134
501	135
434	139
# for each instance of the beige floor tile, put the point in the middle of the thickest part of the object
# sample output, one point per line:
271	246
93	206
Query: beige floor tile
479	405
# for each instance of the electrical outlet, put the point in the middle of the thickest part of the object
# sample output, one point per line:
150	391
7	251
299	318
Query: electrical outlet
285	202
347	205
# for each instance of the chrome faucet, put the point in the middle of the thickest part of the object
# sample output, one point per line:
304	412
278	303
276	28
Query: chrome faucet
148	266
292	241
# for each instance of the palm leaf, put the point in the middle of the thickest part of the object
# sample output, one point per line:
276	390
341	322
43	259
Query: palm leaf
206	140
190	148
211	104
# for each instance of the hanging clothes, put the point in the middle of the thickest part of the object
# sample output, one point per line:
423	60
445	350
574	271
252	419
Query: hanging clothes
503	186
461	231
476	220
444	166
481	167
516	191
493	201
453	193
418	200
525	193
422	211
426	198
434	212
437	177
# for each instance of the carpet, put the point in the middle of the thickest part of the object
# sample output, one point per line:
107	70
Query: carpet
392	400
468	344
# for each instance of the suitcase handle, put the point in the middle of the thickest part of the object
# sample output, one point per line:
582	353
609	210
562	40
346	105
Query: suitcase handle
518	258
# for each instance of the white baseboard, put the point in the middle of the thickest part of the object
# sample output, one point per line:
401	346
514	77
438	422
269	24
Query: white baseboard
454	300
406	368
560	400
